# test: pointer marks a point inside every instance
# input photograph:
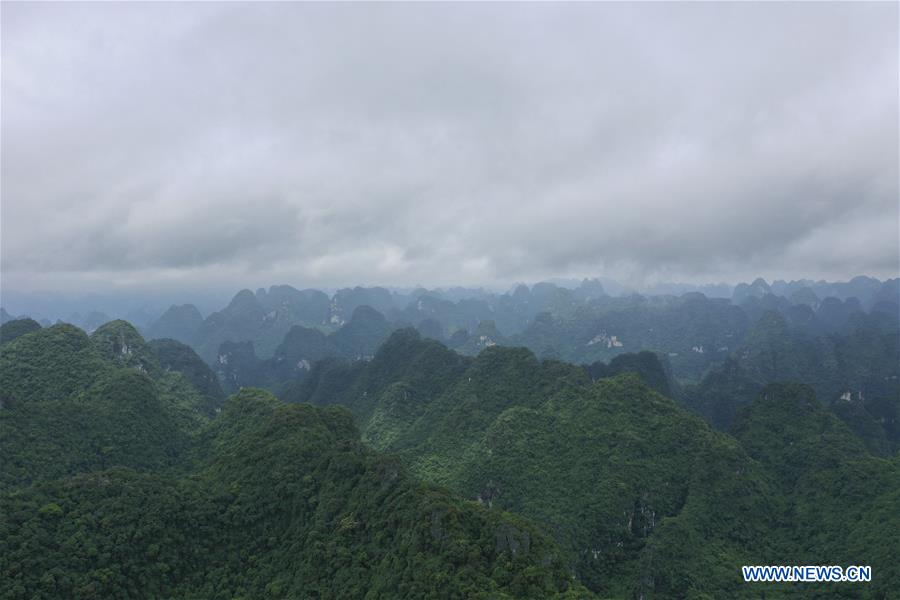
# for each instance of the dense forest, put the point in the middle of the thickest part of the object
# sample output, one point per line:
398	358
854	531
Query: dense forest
449	301
368	454
117	481
645	497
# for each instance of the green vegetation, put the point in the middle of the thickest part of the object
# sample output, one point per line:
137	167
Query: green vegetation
713	355
52	364
178	323
440	475
11	330
692	331
239	366
857	374
73	404
646	365
175	357
643	497
262	318
116	483
121	343
842	503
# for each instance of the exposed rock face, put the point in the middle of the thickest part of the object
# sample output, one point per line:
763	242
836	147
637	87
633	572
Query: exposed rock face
120	341
512	539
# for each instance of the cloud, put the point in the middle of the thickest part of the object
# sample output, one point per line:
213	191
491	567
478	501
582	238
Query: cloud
236	144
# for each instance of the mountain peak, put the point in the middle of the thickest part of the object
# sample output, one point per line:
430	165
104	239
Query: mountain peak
244	299
121	342
365	313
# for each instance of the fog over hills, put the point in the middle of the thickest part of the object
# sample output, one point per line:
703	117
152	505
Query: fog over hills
445	301
142	307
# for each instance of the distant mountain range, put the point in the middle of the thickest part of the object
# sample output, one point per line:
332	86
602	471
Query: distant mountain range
718	353
141	308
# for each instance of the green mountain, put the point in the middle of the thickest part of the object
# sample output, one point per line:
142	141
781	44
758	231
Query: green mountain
646	365
73	403
841	502
346	300
262	318
126	473
180	323
239	366
67	408
694	332
175	357
119	342
362	334
48	365
643	497
15	328
311	307
857	374
109	490
602	465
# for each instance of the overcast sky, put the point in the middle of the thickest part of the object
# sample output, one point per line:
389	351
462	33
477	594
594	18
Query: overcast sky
186	145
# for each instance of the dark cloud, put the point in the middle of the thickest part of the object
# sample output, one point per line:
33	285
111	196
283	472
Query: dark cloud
335	144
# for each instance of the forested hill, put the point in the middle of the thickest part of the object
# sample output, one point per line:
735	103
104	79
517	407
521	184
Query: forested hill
419	473
124	475
717	355
73	403
646	499
856	374
272	337
238	365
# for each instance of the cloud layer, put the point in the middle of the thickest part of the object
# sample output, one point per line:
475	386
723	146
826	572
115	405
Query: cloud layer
210	144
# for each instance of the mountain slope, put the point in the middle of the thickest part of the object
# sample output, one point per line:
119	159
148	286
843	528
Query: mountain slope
842	502
620	474
856	373
238	364
178	323
16	328
286	503
74	404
